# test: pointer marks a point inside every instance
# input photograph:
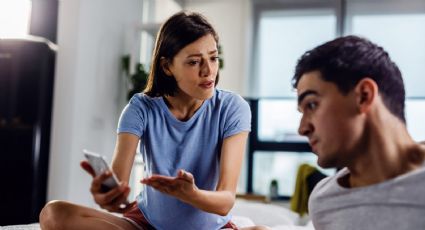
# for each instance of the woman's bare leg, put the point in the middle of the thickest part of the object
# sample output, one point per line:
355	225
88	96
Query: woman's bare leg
60	215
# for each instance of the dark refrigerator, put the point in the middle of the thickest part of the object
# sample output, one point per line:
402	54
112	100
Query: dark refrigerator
26	93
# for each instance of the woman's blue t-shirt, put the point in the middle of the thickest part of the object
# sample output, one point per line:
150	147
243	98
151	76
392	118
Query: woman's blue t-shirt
168	144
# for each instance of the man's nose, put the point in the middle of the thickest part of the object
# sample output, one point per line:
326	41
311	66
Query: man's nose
305	128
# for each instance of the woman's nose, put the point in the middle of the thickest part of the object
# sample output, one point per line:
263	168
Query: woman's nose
206	69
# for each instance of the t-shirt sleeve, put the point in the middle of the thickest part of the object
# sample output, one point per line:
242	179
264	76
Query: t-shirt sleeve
132	119
238	118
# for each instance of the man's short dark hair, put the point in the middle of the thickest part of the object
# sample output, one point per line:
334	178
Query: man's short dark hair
346	60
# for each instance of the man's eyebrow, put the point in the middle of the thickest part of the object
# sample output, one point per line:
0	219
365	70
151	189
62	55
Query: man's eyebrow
305	94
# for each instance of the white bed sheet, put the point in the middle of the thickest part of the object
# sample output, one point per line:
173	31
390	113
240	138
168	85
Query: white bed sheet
248	213
34	226
245	214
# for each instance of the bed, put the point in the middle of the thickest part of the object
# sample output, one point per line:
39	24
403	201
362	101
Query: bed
276	216
245	213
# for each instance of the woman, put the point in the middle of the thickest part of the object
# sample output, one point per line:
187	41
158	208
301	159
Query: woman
192	137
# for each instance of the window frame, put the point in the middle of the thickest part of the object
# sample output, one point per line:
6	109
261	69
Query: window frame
255	144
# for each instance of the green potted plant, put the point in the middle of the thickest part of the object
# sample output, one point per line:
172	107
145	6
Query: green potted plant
136	82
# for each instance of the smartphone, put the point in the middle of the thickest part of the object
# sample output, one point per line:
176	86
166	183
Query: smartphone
99	165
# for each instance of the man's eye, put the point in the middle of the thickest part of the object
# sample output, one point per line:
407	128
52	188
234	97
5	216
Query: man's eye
311	105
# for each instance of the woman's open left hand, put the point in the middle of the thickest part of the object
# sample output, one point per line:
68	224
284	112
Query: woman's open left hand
182	186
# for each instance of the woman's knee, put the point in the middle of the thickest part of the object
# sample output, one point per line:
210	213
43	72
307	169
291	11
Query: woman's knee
55	214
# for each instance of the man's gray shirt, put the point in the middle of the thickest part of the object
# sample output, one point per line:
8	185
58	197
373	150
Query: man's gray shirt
398	204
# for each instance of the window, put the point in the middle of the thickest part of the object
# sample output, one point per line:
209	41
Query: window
415	113
282	167
293	32
283	31
278	120
401	40
400	35
14	18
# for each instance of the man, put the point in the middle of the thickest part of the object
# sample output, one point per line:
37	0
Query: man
351	96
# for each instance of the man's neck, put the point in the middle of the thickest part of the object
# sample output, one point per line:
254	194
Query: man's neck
386	152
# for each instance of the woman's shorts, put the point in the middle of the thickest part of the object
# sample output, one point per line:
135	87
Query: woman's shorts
136	217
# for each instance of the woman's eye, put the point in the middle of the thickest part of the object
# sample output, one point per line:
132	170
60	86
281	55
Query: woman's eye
215	59
193	62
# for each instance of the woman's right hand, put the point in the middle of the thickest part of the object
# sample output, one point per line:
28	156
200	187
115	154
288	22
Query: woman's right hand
114	200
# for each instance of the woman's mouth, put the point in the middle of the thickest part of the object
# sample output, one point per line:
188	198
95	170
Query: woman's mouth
207	84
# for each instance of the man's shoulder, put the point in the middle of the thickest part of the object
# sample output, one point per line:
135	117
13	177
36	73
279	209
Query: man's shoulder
327	187
330	189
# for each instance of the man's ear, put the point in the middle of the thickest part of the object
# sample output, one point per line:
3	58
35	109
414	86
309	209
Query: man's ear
165	65
366	91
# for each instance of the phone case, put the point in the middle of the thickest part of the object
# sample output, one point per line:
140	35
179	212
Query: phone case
99	165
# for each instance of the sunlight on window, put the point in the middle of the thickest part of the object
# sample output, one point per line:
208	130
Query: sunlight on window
283	37
14	18
278	120
402	37
415	113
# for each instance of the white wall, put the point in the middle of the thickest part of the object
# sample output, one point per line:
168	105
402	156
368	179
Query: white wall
89	95
232	20
164	9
